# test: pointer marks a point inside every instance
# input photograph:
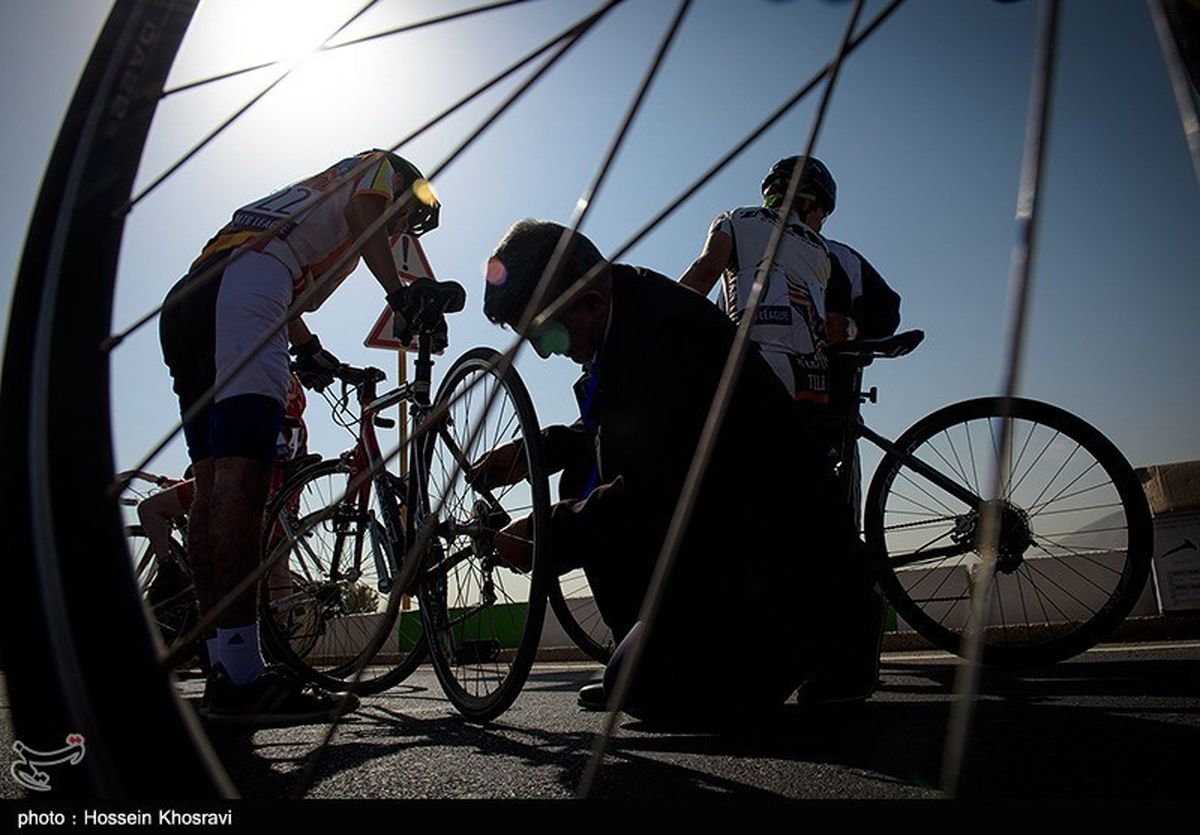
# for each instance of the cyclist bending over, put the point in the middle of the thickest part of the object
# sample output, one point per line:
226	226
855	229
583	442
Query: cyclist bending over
652	355
206	328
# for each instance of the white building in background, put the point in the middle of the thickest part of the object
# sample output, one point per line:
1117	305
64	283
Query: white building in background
1174	494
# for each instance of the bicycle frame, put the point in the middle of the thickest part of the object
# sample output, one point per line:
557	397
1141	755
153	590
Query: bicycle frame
368	468
846	399
402	504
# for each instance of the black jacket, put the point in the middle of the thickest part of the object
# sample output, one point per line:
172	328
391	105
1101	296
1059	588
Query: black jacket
761	524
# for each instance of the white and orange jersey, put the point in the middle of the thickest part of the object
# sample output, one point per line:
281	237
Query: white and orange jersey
314	233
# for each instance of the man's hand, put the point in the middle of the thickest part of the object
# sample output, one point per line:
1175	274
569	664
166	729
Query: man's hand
506	464
314	364
839	329
514	546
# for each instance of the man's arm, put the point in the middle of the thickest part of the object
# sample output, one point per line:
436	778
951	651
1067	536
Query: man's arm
839	326
298	332
314	365
363	210
562	447
705	270
877	310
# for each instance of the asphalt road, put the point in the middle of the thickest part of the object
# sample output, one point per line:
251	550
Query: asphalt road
1122	721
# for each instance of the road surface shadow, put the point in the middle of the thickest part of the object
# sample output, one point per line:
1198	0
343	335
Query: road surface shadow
1134	736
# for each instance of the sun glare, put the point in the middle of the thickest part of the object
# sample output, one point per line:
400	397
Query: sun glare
269	30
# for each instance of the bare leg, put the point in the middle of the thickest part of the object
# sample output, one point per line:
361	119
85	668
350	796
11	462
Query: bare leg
156	514
199	536
239	495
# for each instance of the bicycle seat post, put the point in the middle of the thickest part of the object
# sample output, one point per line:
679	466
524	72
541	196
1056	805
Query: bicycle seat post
845	399
423	365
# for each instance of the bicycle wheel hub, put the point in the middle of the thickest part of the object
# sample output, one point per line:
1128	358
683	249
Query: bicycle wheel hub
1015	536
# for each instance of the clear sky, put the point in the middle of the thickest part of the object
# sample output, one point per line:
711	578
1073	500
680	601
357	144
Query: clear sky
924	136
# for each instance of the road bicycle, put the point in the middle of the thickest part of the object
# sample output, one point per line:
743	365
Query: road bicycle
1073	541
352	535
341	566
1075	536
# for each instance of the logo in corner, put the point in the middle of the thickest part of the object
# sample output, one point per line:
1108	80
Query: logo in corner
27	771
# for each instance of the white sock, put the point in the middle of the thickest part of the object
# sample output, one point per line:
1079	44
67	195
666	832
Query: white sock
240	653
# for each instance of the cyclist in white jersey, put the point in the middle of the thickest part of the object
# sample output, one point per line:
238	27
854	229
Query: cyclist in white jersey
276	258
806	299
818	293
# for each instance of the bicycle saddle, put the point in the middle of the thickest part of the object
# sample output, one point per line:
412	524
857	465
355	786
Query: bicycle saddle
442	296
422	306
889	346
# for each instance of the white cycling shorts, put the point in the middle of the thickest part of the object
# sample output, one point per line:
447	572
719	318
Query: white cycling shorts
255	293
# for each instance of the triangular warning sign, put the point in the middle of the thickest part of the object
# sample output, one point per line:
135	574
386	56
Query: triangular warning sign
412	263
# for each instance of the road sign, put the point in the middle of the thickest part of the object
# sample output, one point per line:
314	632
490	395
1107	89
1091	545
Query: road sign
412	264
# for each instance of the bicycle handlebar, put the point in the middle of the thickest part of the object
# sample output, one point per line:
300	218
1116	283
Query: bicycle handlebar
154	478
353	375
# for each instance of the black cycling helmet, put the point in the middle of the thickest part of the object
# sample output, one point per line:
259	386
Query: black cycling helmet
423	216
815	181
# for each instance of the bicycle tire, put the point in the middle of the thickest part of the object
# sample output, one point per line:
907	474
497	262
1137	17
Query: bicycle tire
579	619
321	627
1075	550
482	643
68	567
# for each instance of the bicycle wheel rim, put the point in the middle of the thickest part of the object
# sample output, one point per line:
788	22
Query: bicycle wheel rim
70	568
327	619
1069	489
574	607
482	651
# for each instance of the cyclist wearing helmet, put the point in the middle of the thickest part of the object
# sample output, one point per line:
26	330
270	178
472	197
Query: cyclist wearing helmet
276	258
818	293
805	303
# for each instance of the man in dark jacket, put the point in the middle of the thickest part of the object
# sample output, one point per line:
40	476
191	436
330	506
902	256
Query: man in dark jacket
751	572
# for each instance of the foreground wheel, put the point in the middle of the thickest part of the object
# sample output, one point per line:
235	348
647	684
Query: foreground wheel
483	619
67	565
323	605
1075	531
